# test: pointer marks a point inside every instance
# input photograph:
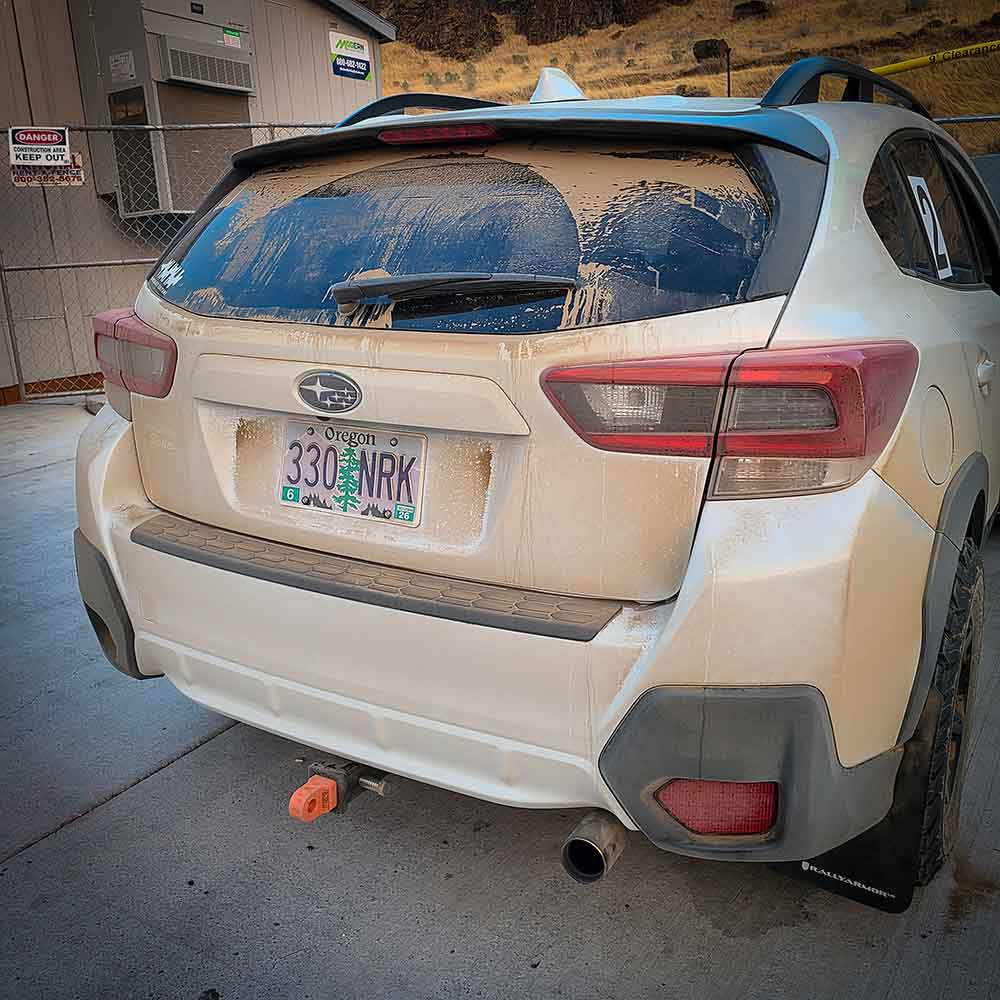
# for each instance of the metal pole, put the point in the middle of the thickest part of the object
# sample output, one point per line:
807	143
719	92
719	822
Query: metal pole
9	312
936	58
72	265
967	119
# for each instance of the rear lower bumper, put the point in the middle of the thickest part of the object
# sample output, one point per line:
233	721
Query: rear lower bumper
459	758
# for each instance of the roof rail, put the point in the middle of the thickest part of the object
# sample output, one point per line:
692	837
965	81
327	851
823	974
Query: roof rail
399	102
799	84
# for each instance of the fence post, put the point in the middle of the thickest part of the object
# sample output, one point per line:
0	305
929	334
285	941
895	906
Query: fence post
11	332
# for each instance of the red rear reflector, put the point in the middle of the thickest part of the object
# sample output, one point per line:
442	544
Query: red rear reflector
721	808
437	133
133	355
662	407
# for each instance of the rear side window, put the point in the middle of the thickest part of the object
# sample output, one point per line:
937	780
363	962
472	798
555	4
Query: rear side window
896	223
981	231
952	256
644	233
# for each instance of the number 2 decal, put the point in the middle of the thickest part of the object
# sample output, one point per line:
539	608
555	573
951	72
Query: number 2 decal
928	216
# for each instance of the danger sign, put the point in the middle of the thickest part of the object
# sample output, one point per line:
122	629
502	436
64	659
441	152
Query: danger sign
39	145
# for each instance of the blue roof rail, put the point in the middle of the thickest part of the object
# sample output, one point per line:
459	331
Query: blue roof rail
799	84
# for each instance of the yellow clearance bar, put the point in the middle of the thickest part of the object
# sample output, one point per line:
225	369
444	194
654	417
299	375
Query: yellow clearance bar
936	58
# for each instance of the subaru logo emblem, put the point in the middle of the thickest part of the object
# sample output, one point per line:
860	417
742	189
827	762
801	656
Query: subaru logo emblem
329	392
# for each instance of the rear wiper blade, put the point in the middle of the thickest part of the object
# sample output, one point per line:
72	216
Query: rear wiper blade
414	286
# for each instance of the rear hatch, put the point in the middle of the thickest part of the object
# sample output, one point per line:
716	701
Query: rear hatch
323	401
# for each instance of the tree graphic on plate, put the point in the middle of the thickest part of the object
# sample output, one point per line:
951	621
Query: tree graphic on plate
347	481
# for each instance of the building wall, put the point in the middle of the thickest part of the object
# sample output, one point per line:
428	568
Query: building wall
295	81
54	309
40	84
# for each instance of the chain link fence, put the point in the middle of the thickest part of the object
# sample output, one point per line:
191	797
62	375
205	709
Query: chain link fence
67	253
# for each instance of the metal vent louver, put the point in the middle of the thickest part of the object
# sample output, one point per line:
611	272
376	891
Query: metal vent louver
209	70
138	192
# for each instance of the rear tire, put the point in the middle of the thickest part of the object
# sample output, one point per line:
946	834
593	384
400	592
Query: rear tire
953	688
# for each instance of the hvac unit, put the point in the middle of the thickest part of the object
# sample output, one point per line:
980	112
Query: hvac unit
164	62
189	62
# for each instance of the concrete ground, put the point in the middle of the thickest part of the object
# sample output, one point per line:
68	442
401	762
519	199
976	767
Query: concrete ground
145	851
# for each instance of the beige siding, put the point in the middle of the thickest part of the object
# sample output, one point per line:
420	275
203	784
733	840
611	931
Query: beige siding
45	226
296	81
39	84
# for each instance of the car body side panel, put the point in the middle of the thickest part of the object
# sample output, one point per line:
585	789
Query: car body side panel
798	590
885	304
974	316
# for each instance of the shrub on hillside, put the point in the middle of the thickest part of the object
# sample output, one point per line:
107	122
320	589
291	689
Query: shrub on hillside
457	29
549	20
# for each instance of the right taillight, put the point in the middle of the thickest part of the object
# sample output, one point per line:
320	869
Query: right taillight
804	420
133	355
778	422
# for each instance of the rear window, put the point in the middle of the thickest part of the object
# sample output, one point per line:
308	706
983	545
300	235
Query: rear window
644	232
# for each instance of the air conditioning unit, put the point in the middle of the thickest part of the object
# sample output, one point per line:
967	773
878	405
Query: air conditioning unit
163	62
186	61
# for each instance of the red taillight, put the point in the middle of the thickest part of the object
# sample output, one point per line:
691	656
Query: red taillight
721	808
133	355
793	420
437	133
801	420
662	407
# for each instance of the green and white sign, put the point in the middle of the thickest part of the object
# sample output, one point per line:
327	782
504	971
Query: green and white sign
350	56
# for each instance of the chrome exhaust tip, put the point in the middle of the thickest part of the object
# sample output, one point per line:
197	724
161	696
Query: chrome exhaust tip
593	847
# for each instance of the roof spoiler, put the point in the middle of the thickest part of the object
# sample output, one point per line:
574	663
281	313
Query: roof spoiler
400	102
768	126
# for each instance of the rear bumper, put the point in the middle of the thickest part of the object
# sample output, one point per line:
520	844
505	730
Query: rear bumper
540	721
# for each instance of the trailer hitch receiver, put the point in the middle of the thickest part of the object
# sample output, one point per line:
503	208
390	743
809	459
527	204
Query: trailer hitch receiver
331	786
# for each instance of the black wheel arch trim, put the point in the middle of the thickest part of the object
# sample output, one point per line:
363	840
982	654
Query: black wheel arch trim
105	607
957	506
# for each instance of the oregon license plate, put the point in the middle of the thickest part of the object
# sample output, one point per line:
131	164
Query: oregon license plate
353	470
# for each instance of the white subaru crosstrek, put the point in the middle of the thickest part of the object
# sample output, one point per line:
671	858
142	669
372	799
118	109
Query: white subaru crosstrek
634	455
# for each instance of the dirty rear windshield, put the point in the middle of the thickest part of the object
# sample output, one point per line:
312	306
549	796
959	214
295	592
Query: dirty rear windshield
644	232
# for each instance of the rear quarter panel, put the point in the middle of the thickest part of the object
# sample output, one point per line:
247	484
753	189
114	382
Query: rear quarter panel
851	290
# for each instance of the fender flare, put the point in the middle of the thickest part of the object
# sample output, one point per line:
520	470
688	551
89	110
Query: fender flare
949	536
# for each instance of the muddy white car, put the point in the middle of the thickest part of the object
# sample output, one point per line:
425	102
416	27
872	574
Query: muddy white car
632	455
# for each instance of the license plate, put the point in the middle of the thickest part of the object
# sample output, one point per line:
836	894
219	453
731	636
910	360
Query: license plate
355	471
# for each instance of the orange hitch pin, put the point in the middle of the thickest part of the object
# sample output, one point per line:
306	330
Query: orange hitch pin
311	800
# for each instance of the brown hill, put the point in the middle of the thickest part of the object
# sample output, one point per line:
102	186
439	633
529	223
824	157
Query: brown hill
618	48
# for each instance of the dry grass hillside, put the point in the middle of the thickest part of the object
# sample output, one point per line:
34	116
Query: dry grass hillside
655	55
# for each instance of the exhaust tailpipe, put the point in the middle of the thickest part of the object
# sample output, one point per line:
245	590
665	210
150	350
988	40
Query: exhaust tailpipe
593	847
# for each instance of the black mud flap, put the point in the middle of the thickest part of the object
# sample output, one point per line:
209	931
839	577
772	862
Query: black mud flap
879	867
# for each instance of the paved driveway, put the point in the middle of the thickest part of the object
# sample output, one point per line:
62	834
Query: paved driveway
147	852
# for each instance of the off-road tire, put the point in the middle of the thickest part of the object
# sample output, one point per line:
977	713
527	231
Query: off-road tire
953	688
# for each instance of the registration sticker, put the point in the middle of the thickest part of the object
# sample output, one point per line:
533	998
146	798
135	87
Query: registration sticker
355	471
